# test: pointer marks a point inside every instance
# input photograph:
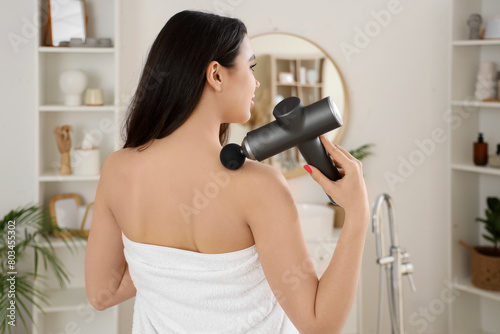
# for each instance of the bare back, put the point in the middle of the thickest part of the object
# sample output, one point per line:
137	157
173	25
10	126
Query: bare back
174	203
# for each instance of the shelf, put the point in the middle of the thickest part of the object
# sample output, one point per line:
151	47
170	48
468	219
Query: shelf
63	108
52	49
465	285
476	104
476	42
476	169
53	177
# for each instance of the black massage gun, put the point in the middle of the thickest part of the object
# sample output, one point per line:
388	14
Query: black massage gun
295	125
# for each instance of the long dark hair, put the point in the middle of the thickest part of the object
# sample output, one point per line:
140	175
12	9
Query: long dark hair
173	77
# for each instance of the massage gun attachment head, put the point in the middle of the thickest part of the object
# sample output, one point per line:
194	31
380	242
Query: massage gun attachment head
232	156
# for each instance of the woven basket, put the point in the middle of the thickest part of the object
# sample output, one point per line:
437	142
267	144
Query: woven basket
485	269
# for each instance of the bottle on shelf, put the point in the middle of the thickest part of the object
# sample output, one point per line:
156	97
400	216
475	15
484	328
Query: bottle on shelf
480	151
494	160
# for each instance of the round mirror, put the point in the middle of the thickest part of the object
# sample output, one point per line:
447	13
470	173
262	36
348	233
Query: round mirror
289	65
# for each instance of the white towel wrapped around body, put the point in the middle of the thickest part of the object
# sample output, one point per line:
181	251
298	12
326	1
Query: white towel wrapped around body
186	292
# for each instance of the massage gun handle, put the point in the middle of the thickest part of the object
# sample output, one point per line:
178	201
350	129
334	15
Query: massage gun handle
315	154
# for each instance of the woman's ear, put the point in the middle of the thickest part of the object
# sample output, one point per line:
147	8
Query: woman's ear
214	75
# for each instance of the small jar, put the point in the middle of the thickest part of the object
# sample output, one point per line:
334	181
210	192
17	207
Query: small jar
494	160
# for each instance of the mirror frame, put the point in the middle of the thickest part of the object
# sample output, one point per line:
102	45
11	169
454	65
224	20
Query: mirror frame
87	218
346	112
48	40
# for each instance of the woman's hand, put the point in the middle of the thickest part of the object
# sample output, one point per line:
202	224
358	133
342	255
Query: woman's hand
350	191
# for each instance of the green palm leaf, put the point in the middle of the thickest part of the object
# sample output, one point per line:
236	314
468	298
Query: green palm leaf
33	225
362	152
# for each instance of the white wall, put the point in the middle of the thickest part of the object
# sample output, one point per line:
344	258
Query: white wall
17	94
397	89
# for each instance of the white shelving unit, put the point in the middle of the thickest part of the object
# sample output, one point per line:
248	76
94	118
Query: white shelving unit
473	310
69	310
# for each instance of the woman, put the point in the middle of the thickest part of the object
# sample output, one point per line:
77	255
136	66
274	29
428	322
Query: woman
205	249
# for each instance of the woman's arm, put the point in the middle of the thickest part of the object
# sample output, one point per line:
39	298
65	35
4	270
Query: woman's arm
345	265
314	306
107	278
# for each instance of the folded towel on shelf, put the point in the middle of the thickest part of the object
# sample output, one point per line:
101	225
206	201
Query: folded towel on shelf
181	291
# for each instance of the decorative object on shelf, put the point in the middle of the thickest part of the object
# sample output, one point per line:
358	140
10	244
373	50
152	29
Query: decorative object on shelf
485	261
104	42
303	74
94	97
474	22
73	84
66	20
494	160
487	81
86	221
87	161
63	139
286	77
90	42
67	213
480	149
33	223
312	76
74	42
492	30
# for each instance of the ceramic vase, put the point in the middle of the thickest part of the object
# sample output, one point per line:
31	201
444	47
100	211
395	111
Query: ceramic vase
487	84
73	84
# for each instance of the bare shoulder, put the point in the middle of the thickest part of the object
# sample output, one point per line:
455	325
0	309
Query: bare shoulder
117	162
265	187
116	165
261	178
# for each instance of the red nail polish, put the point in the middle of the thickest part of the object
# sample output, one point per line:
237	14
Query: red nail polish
308	169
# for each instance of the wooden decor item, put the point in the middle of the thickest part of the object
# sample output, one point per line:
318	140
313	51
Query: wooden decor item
64	145
70	215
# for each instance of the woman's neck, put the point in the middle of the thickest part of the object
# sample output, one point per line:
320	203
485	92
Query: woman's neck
199	135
